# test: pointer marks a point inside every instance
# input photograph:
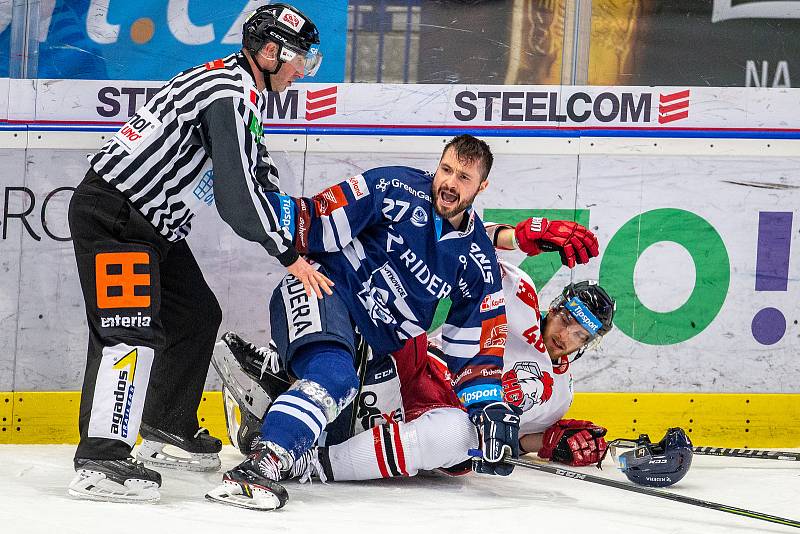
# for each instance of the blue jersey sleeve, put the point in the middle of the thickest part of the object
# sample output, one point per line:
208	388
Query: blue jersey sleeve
474	333
330	220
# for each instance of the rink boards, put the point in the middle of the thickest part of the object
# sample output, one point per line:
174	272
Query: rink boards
696	216
710	419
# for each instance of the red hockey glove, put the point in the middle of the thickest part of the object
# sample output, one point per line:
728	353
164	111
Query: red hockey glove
574	242
574	442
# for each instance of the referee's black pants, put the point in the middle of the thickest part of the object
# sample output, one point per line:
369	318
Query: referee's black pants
152	319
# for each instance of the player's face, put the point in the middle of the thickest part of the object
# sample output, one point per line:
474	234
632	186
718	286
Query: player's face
563	335
456	184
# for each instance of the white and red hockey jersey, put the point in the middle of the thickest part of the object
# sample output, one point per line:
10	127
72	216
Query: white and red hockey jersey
529	378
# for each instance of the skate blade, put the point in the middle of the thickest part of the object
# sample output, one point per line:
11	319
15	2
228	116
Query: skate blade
95	486
244	495
153	454
245	390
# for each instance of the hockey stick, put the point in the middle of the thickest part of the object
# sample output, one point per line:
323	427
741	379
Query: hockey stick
748	453
652	492
362	356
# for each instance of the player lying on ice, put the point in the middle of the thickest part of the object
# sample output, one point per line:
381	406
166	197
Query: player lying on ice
408	417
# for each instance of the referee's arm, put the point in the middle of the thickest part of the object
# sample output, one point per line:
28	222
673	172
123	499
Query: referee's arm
238	193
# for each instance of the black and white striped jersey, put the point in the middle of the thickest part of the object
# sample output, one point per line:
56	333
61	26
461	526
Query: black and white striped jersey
199	141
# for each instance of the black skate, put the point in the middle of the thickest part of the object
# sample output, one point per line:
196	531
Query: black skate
125	480
256	361
197	453
251	375
254	483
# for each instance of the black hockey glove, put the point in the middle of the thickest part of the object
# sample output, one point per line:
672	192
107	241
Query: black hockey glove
498	433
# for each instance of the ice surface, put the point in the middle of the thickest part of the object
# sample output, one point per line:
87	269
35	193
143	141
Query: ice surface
33	499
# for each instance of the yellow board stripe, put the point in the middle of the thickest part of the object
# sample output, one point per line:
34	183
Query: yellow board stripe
710	419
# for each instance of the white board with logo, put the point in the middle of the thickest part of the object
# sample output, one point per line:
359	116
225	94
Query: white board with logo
693	193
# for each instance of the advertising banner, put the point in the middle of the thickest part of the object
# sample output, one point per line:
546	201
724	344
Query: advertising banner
154	40
701	254
403	106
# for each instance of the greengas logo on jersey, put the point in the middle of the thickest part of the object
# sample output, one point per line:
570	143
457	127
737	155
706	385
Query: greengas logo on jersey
564	107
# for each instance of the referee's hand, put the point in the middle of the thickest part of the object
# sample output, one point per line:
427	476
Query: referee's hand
312	279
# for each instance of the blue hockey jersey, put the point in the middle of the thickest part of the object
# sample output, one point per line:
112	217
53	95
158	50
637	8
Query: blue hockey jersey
393	259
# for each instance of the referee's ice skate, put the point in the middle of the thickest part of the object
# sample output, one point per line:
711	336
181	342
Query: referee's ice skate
165	449
125	480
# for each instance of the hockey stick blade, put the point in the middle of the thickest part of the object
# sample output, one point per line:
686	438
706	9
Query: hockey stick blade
652	492
748	453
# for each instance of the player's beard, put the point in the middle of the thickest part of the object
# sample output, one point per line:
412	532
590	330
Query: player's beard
460	206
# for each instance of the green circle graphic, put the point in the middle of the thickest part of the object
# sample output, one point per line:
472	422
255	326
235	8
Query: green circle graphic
712	268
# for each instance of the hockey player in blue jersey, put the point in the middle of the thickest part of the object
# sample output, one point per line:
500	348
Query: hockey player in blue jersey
395	241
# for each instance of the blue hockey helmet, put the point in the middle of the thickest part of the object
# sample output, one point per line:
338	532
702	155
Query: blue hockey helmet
654	464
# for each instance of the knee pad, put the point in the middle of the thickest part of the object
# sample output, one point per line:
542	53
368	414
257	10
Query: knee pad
326	375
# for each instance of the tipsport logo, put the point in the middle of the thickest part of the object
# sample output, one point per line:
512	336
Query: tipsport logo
287	213
585	317
483	393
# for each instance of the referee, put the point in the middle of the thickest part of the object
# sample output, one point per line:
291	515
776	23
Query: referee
152	318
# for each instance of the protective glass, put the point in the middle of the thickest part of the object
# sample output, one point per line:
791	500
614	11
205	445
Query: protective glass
619	447
576	334
306	62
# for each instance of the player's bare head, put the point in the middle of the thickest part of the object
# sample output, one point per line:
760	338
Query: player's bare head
460	176
468	150
577	319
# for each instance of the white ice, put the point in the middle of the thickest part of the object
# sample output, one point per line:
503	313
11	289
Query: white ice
33	499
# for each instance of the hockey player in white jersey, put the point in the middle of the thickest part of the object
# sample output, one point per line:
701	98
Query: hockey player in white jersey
413	418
